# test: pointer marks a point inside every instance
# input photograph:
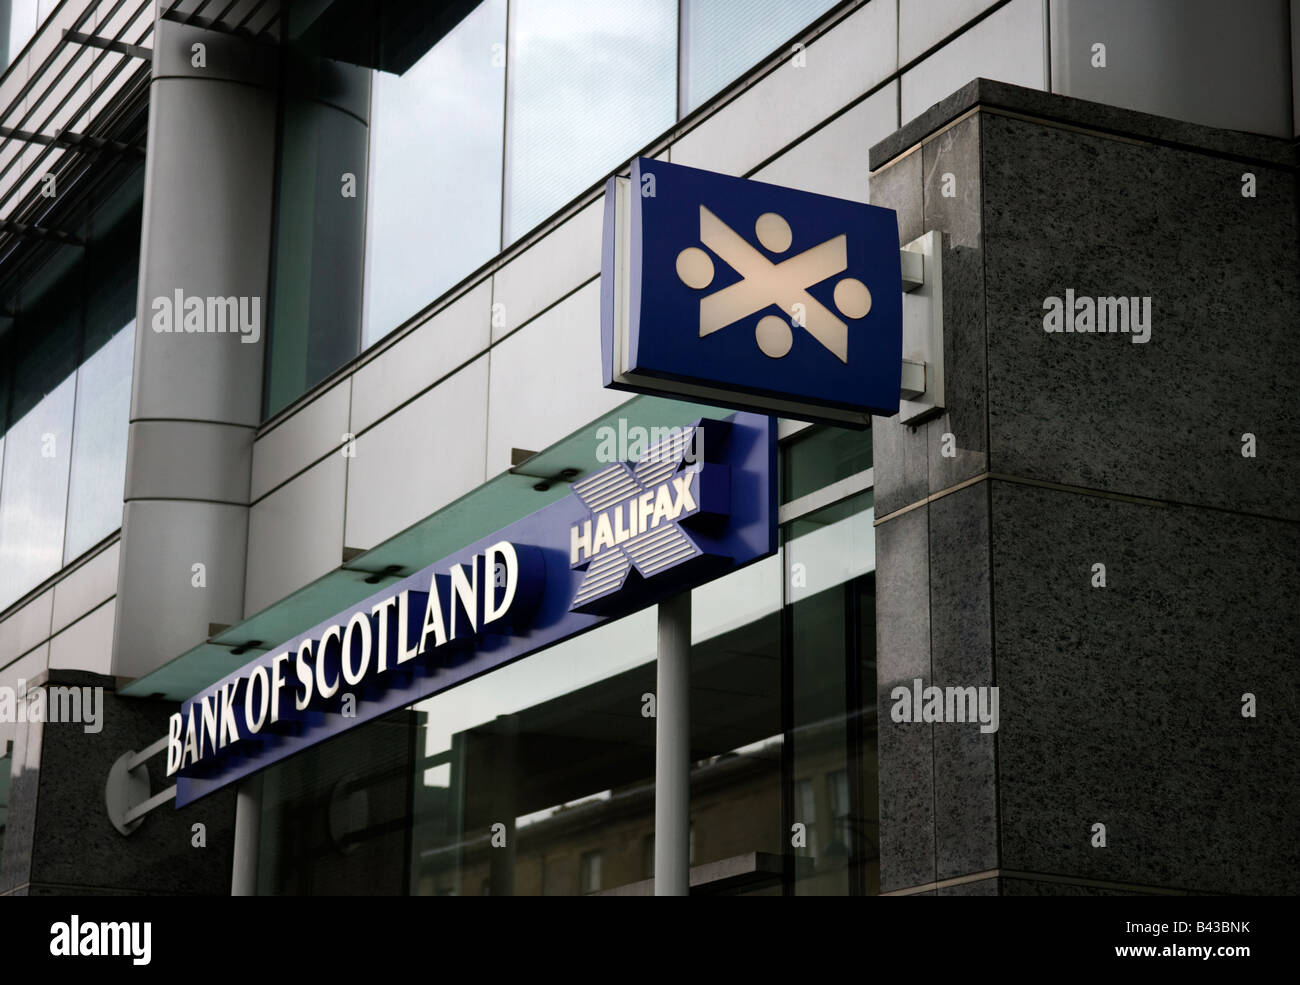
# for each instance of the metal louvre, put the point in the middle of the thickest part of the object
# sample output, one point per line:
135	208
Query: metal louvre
80	116
257	20
79	112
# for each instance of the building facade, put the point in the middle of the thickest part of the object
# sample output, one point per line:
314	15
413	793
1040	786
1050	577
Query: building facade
300	297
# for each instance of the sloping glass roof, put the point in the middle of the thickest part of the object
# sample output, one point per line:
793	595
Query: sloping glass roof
499	501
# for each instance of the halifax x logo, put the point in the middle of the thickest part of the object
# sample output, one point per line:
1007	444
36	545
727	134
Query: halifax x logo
635	511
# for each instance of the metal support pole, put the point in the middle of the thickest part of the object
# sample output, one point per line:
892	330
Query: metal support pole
248	824
673	749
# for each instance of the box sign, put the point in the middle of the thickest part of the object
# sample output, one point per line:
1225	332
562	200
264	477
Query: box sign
696	505
750	295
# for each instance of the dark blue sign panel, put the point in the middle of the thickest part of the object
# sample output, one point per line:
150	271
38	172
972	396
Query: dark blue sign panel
747	293
698	504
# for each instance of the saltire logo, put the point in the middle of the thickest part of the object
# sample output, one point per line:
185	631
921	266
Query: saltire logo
764	283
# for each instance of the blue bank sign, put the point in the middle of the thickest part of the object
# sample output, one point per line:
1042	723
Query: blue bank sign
697	505
751	295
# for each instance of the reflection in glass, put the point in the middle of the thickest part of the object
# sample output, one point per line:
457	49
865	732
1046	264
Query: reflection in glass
318	263
805	814
34	493
722	38
590	84
831	546
434	210
335	818
558	748
830	558
553	748
821	455
99	444
736	727
65	383
591	872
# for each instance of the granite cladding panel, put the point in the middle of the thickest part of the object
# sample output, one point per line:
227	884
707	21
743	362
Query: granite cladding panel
20	820
1046	887
1165	419
76	848
1123	705
900	452
54	889
899	455
901	187
951	177
1080	112
906	750
961	640
981	887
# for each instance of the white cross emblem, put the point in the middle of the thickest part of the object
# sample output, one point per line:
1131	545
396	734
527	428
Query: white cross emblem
764	283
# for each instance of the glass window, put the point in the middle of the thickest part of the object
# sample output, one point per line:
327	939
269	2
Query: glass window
34	493
553	748
538	778
99	444
591	872
315	324
723	38
805	813
736	718
334	819
821	455
837	796
65	389
829	559
862	818
589	85
435	164
831	740
45	341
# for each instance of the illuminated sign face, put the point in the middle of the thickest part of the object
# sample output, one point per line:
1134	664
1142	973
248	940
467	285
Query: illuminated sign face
697	505
741	292
386	638
640	516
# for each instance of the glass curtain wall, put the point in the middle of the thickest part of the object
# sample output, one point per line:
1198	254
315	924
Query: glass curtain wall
321	184
538	778
65	390
521	107
435	158
723	38
589	85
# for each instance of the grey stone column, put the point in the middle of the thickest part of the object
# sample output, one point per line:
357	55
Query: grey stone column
196	395
1121	705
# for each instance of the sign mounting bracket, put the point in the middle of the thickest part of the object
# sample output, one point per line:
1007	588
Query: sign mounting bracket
922	388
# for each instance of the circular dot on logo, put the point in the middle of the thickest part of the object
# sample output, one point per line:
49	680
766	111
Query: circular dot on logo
773	232
774	336
694	267
852	297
